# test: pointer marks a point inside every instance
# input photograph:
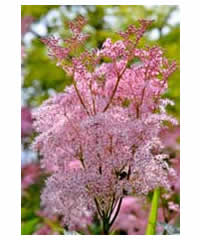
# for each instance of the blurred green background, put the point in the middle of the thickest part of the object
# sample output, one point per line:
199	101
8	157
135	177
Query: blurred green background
41	77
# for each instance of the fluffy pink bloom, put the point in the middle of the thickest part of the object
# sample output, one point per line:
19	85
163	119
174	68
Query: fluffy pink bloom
109	120
174	207
170	138
132	216
45	230
30	174
175	182
26	121
55	49
75	165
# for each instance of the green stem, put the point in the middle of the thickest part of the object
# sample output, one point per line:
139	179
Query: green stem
106	226
151	227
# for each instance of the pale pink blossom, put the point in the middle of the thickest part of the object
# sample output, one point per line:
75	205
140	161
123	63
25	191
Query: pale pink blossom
132	216
108	121
26	121
30	174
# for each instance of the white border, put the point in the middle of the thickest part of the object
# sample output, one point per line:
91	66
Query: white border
10	118
97	2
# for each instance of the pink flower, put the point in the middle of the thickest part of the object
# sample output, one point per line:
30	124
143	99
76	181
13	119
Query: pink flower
45	230
108	122
173	206
132	217
30	174
75	164
54	49
26	121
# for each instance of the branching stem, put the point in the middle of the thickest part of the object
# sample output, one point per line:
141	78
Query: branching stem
115	89
117	211
80	98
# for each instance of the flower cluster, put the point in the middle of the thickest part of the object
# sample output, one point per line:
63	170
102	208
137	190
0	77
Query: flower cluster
30	174
26	121
106	124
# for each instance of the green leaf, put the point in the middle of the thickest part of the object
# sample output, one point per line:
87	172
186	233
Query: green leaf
27	228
